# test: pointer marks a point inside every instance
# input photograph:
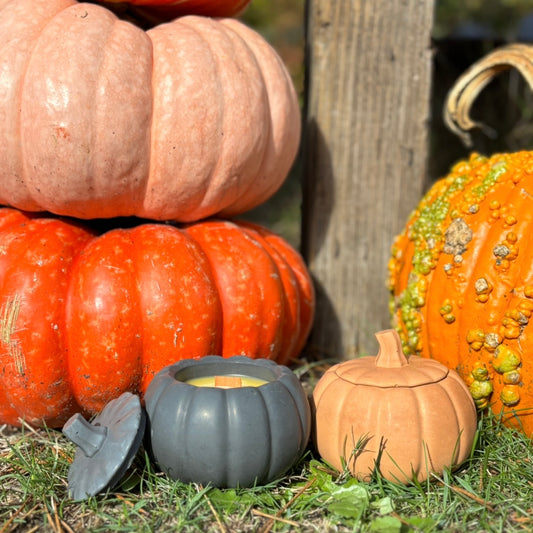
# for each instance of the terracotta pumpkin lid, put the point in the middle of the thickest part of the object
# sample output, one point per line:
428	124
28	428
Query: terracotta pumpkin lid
390	368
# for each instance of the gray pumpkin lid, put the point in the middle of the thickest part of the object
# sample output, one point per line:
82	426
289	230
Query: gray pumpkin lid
106	446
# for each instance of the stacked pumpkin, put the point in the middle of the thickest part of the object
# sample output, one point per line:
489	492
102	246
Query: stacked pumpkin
188	120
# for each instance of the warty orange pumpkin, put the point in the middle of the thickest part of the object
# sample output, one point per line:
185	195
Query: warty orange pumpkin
100	118
84	318
461	275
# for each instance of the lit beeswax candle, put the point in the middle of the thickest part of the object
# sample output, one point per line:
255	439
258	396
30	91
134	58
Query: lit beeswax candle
227	382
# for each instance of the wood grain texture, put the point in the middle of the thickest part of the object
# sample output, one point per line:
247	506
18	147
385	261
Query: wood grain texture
365	157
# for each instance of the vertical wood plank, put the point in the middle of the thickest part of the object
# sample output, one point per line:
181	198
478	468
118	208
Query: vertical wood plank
368	66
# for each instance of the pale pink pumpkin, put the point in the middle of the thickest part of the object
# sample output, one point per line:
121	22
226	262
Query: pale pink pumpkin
100	118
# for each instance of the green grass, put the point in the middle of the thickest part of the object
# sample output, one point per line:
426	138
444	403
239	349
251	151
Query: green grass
492	491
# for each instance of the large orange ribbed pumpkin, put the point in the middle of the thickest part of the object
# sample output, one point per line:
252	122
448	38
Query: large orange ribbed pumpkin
461	273
100	118
84	318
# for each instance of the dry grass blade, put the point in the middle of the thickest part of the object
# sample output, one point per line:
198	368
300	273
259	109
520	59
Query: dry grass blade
272	520
50	521
406	523
275	518
467	493
128	503
221	526
8	523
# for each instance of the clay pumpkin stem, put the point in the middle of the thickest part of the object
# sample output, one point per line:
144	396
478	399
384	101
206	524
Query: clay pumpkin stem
390	353
468	86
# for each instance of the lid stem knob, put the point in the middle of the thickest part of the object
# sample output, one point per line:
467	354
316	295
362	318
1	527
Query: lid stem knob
390	353
85	435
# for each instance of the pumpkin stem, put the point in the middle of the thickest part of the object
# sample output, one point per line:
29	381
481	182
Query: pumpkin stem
467	87
390	353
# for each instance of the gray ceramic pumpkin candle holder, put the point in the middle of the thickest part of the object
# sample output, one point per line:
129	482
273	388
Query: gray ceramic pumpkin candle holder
228	422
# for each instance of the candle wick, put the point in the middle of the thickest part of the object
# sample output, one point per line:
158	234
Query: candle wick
228	381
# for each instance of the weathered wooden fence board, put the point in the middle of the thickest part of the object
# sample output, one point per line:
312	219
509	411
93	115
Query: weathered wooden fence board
365	157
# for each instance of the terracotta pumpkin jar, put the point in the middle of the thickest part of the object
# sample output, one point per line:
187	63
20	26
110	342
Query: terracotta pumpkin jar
407	417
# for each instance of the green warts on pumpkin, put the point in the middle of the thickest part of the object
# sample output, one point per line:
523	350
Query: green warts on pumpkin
480	385
428	236
505	362
440	225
